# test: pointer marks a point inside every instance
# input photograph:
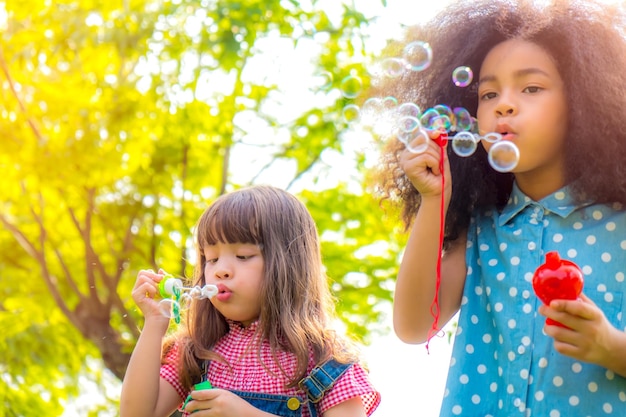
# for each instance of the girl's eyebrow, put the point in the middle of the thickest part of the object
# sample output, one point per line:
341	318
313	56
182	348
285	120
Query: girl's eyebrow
517	74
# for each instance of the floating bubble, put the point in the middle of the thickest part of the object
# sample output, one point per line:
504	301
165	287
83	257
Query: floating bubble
427	118
372	105
464	144
418	55
371	110
409	109
406	126
390	102
446	111
463	118
431	119
195	292
462	76
323	81
351	113
418	141
378	114
503	156
351	86
393	67
167	307
184	302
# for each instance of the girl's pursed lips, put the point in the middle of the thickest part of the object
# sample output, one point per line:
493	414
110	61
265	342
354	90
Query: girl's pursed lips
221	288
504	128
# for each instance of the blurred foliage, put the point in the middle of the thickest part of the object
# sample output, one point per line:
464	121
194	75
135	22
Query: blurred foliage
119	123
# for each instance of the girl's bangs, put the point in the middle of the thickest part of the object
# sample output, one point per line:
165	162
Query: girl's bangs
229	221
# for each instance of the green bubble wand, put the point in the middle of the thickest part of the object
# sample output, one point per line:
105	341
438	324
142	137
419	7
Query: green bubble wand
177	297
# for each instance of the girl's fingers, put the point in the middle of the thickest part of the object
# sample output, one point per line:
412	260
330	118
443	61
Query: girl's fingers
583	308
146	285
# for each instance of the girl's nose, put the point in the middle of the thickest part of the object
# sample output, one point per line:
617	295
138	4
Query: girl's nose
222	274
223	271
505	111
505	107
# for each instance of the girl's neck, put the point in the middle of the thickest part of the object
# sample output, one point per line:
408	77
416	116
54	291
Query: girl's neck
540	185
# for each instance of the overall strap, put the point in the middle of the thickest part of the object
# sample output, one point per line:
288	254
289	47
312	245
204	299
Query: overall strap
322	378
205	368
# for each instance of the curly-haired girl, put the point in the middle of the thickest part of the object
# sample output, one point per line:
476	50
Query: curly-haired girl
550	78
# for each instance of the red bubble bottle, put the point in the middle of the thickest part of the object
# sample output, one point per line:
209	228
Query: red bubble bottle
557	279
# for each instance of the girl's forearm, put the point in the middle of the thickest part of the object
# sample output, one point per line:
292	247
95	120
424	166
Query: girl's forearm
416	282
140	389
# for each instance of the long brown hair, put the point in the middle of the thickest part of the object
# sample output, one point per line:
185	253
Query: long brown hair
297	306
586	40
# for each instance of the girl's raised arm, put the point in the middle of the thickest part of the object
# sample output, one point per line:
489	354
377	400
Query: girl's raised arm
417	277
144	392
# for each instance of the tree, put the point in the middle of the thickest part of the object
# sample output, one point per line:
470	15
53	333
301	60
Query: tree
120	122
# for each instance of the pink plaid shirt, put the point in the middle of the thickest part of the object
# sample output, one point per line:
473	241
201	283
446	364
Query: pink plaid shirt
250	372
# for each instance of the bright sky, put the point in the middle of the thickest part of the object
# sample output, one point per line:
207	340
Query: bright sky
410	379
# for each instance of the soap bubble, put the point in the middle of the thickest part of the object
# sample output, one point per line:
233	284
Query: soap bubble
503	156
351	113
184	301
462	76
405	128
393	67
351	86
167	307
195	292
409	109
418	55
449	122
464	144
432	119
412	134
463	118
419	140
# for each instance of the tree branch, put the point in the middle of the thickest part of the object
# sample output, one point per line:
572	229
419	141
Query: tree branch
29	120
85	235
40	258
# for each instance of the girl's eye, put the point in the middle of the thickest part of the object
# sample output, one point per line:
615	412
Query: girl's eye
244	257
532	89
211	261
488	96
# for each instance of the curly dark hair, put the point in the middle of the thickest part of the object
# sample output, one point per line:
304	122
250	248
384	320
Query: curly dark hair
587	41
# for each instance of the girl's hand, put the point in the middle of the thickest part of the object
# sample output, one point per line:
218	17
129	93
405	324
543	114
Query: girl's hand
590	338
217	402
146	293
423	171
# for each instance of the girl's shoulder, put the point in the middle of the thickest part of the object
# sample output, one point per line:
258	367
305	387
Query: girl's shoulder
336	382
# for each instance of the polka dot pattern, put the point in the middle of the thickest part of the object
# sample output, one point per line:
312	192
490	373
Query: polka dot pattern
504	364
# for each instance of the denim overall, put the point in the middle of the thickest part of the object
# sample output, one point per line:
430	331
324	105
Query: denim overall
315	385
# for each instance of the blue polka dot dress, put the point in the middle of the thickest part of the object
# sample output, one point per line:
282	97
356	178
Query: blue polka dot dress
502	363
